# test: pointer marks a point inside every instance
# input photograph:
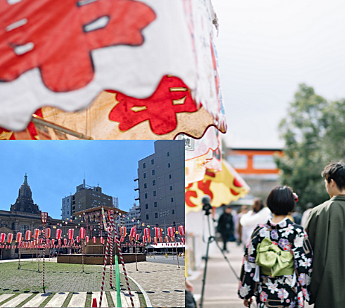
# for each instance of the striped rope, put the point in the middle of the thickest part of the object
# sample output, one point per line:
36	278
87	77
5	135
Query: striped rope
104	269
123	264
82	252
44	253
111	231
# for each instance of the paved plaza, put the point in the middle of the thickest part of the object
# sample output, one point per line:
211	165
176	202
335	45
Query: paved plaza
158	282
221	283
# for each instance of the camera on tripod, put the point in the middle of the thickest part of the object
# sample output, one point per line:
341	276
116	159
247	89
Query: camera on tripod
206	205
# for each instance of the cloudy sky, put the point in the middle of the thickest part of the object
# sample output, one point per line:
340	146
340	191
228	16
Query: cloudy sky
55	168
266	48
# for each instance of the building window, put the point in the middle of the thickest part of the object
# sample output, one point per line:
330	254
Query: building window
238	161
170	187
168	154
152	161
172	211
153	182
144	175
144	165
156	215
146	206
168	165
145	195
264	162
155	204
153	172
145	185
154	193
169	176
171	199
147	216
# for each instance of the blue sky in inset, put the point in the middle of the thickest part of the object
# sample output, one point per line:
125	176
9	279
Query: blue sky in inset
55	168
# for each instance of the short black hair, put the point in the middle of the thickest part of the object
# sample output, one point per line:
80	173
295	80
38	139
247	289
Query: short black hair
335	171
281	200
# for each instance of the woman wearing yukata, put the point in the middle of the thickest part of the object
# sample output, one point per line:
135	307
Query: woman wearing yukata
277	263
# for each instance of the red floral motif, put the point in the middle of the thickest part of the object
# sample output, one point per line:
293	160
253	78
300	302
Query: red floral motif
56	37
171	97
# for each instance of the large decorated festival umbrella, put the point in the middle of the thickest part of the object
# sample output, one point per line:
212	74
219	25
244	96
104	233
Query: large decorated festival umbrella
222	187
108	69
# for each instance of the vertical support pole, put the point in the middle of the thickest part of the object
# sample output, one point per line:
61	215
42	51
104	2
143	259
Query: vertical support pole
123	264
104	269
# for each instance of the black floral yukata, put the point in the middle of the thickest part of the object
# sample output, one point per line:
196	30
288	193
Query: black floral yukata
279	291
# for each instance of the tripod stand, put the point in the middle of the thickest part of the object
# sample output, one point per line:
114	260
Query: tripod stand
211	239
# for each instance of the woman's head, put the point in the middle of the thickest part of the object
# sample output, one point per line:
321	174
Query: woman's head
258	205
281	200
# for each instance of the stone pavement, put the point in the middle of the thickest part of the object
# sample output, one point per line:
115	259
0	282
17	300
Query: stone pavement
221	284
164	283
62	299
159	280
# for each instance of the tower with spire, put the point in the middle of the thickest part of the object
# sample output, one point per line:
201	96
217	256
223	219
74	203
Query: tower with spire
24	202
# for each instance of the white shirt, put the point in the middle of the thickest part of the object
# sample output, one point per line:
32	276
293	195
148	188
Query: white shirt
250	220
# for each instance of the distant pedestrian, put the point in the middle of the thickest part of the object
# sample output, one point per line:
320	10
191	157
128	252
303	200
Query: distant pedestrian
238	226
258	215
326	231
277	262
226	226
297	215
306	214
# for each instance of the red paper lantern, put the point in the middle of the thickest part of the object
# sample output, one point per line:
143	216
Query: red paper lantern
28	235
158	232
48	233
82	233
47	241
137	237
70	234
144	239
170	231
147	232
65	241
19	237
94	240
123	231
122	239
58	234
181	230
87	239
133	232
78	238
9	238
36	234
102	240
2	237
53	241
183	240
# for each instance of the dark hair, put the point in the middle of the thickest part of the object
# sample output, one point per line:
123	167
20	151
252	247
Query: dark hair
259	202
281	200
336	172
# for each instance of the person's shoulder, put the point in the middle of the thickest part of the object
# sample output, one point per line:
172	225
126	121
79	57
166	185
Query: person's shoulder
321	208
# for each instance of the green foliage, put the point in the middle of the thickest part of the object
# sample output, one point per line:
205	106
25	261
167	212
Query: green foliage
313	132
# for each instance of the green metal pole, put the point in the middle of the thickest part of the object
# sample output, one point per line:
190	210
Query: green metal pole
117	275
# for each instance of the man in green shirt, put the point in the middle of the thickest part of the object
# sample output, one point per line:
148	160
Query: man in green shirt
326	231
